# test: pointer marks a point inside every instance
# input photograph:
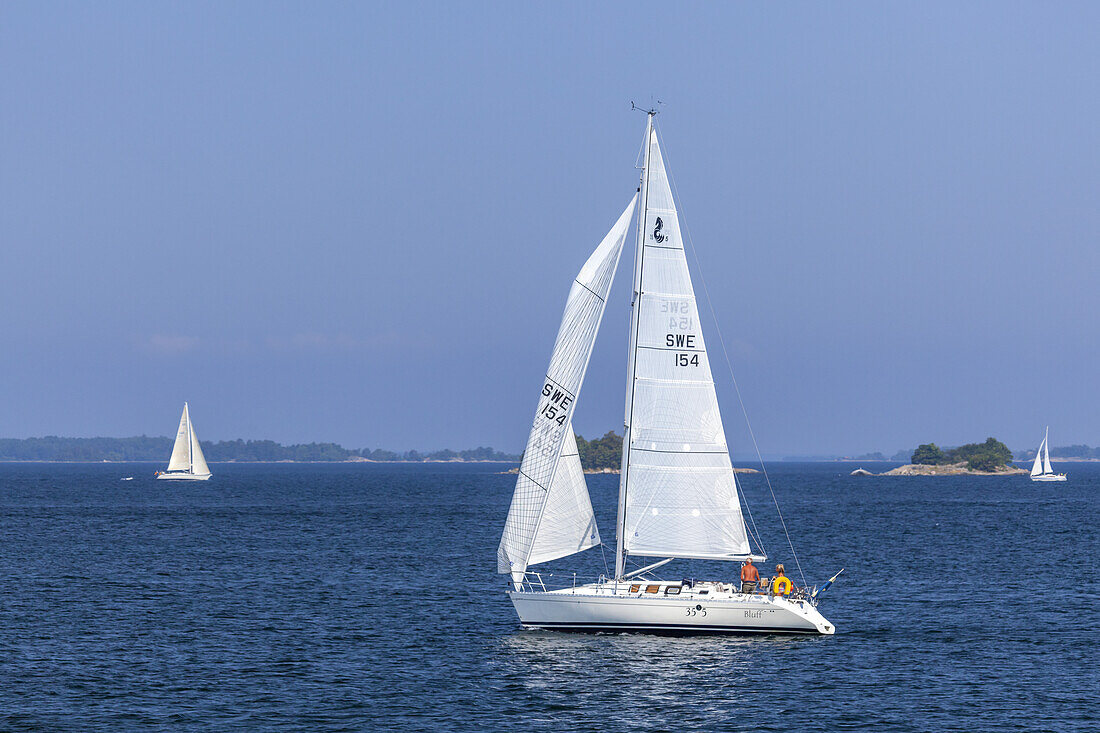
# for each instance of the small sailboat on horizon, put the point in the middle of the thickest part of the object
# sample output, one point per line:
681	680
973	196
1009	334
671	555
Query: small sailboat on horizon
678	495
1041	470
187	462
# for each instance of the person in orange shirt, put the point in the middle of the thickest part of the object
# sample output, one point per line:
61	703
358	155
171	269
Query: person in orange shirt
750	576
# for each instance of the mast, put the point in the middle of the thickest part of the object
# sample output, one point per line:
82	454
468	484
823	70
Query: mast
620	524
1046	453
190	440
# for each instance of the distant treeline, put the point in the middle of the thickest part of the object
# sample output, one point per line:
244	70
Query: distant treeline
470	454
901	456
143	448
1066	451
605	452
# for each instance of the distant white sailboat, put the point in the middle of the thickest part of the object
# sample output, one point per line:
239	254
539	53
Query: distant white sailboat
187	462
1041	469
678	497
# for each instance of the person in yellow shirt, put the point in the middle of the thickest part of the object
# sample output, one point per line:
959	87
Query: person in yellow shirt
781	584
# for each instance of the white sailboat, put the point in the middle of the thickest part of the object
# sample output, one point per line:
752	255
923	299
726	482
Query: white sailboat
1041	469
187	462
678	497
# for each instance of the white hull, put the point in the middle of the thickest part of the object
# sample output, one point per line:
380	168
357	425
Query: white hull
704	609
1049	477
184	476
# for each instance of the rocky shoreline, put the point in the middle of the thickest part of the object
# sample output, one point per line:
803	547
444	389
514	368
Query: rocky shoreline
951	469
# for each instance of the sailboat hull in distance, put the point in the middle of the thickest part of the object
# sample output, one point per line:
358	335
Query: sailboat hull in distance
1049	477
183	476
651	607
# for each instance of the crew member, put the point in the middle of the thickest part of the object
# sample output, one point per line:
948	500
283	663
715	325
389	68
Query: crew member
781	584
750	576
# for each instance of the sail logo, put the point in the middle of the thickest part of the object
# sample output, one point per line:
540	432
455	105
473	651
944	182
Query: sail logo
657	231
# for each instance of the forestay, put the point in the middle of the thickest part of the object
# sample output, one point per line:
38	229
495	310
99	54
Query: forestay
551	513
678	494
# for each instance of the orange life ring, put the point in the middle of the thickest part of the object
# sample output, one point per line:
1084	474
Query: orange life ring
785	582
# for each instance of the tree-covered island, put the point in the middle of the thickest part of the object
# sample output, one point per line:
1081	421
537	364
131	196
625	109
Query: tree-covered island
990	457
987	456
601	454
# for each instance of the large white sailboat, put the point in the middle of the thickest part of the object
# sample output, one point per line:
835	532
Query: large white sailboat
187	462
1041	470
678	496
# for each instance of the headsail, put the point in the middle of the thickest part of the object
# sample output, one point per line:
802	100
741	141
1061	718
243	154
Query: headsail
547	446
678	495
181	450
568	524
198	460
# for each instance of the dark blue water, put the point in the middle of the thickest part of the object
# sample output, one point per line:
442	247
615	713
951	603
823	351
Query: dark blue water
352	597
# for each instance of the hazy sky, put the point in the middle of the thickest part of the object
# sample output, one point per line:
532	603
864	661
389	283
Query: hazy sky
359	223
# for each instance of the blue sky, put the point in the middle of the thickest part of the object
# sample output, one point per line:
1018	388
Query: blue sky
359	222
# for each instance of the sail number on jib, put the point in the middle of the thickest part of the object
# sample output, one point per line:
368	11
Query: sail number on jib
555	403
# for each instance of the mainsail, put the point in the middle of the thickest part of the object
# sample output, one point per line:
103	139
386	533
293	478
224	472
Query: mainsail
678	496
551	513
181	450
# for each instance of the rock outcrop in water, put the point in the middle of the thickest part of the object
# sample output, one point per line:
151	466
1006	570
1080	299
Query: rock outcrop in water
950	469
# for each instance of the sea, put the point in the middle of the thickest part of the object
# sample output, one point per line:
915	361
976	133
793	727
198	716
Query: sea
364	597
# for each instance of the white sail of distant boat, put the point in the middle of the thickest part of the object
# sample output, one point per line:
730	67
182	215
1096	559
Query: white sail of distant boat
1041	469
678	497
187	461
